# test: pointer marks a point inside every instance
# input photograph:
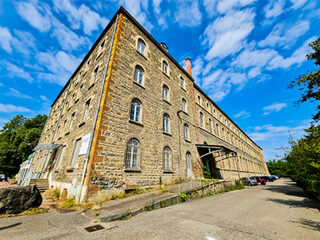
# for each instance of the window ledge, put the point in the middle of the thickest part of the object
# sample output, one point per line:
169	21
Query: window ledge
134	122
59	138
168	171
183	89
67	133
76	101
185	113
166	101
91	85
70	170
81	124
132	170
169	134
139	84
142	55
165	74
99	56
187	140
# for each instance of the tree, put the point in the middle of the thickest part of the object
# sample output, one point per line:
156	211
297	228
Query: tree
18	137
310	83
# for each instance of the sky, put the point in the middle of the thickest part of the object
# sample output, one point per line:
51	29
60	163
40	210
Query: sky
244	54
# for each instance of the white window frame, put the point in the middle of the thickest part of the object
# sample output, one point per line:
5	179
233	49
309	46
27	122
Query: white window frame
165	67
132	154
86	110
184	105
60	157
165	93
138	75
166	158
135	110
166	123
141	46
186	131
182	82
75	153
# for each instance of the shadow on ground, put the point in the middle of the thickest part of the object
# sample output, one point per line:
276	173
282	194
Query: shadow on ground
10	226
304	203
309	224
289	189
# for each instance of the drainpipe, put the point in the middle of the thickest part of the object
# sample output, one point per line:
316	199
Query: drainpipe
179	120
97	113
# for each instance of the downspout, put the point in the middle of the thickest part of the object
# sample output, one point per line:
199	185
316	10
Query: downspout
179	120
97	113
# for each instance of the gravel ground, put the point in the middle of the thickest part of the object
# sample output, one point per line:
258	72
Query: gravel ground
279	210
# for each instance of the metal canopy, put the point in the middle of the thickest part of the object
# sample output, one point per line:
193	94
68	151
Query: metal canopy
46	147
214	148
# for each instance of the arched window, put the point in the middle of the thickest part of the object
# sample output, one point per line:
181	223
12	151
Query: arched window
184	105
132	157
210	125
141	47
217	129
166	123
135	112
138	74
181	82
165	92
199	99
201	119
186	131
165	67
188	164
166	158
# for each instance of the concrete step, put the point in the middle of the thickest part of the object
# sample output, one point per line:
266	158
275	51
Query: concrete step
42	184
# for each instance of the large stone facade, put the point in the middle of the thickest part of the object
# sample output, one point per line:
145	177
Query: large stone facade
96	102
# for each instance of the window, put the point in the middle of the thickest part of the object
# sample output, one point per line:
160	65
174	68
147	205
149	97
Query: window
166	122
141	47
217	128
188	164
71	121
186	131
210	125
165	67
166	158
199	99
61	157
135	113
102	44
182	82
95	73
184	105
86	111
75	153
132	157
138	75
201	119
165	92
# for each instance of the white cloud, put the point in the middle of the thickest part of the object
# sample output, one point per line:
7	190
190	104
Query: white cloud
82	16
5	39
44	98
298	3
67	38
60	64
242	115
197	67
25	42
297	57
15	71
35	15
274	8
9	108
15	93
275	107
226	35
285	35
188	13
224	6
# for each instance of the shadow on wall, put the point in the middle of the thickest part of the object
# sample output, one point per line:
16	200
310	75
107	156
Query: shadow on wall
304	203
309	224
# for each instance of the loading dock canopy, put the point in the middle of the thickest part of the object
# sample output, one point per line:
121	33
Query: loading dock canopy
205	149
46	147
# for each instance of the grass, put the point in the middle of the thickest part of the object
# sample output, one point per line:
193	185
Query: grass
31	211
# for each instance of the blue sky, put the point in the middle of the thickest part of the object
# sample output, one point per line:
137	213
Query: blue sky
244	53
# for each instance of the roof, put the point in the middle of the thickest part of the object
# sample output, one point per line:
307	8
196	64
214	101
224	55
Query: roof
141	28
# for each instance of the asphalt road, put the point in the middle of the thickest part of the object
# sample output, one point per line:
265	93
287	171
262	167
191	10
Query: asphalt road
279	210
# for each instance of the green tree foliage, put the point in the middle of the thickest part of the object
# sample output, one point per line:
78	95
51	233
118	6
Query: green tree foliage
17	139
304	160
310	83
278	167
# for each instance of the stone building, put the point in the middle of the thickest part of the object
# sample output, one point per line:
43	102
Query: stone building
130	115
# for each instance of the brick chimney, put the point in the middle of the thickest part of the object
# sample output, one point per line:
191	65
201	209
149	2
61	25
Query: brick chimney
189	66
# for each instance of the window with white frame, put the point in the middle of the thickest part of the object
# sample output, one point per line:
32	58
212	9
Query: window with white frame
72	120
181	82
186	131
138	75
95	73
61	157
135	112
165	67
75	153
141	46
166	123
165	92
166	158
132	156
86	111
201	119
184	105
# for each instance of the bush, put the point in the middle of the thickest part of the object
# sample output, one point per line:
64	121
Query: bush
53	193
